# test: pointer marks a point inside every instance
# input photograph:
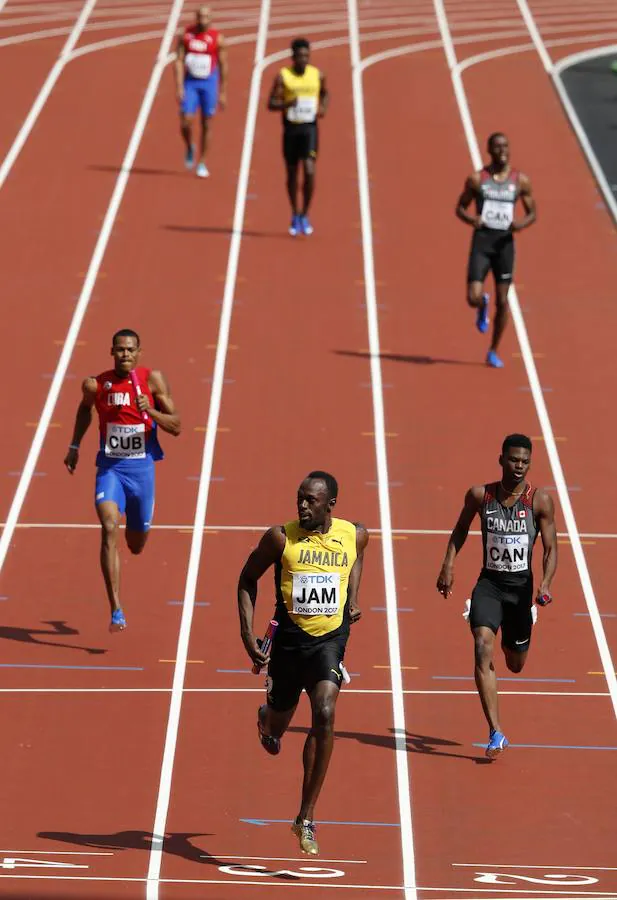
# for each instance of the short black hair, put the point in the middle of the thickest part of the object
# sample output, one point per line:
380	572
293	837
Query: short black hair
329	480
126	332
300	44
516	440
493	137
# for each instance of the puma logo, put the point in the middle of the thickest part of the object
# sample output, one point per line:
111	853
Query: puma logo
338	674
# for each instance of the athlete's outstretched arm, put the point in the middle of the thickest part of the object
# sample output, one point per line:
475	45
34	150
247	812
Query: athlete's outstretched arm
164	412
473	503
82	422
224	70
355	575
324	96
267	553
472	186
545	516
529	204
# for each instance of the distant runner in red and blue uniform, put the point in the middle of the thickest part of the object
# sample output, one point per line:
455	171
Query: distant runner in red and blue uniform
132	402
201	82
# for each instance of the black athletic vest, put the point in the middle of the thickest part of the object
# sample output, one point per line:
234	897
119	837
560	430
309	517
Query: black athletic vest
496	201
508	536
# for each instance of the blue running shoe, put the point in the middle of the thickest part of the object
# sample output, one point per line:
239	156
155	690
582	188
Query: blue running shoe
496	745
118	622
306	226
271	745
189	157
493	360
482	319
296	225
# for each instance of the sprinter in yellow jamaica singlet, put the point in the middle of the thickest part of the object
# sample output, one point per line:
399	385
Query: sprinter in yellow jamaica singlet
299	92
318	565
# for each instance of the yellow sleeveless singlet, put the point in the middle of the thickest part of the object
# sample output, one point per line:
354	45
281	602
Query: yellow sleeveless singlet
306	88
313	575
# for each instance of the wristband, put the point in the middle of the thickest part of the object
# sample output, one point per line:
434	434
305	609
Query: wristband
73	446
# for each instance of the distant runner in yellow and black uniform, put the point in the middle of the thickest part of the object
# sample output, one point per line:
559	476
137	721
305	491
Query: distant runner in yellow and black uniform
318	566
299	92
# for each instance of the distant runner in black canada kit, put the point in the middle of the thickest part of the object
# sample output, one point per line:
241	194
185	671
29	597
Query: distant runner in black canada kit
495	190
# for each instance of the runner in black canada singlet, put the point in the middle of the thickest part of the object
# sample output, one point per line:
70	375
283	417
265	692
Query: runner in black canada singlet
512	513
495	190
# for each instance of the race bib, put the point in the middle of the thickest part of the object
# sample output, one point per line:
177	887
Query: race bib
507	552
304	111
316	593
198	65
497	214
125	441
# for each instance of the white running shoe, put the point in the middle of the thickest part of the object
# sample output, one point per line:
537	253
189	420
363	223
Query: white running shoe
201	171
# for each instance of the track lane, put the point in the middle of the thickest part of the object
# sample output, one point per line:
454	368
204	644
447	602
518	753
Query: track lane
297	366
427	720
426	380
139	267
18	94
44	288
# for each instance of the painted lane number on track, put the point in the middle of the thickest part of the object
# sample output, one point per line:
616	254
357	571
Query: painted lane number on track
264	872
19	862
557	878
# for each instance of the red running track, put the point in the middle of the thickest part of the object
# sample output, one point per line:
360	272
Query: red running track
87	714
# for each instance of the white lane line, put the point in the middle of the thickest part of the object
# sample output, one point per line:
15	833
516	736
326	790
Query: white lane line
394	650
535	35
514	49
41	20
77	526
534	382
88	286
33	36
48	86
565	868
282	858
245	690
484	38
258	882
171	737
584	55
114	42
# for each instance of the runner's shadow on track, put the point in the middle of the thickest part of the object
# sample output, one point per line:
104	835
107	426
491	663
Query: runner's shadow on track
220	229
30	636
413	359
416	743
175	844
139	170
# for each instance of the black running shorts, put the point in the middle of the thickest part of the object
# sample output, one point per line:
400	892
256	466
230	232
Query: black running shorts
300	142
290	671
508	608
494	251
